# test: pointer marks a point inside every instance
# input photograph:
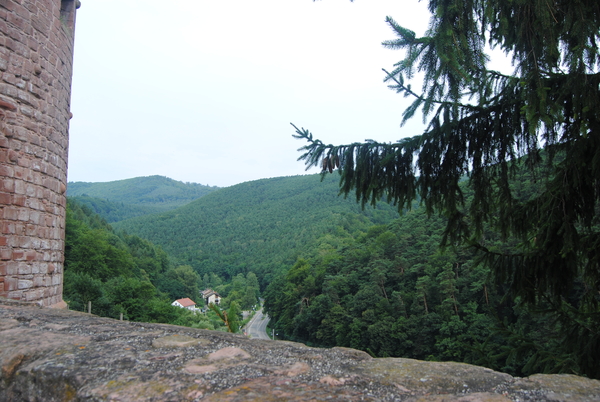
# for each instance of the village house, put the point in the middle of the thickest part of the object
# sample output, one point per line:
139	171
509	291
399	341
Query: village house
210	296
185	303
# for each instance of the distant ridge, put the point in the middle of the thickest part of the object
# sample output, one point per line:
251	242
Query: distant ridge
122	199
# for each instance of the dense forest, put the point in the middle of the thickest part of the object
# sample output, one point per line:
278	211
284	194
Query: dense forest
392	291
123	199
484	131
260	226
126	275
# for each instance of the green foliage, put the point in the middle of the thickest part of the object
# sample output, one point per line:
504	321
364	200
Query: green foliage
114	211
485	132
391	292
258	226
123	199
243	291
230	318
121	274
482	122
188	280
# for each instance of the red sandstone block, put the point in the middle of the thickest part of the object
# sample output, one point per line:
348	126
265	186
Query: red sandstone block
7	185
9	78
8	90
33	44
10	283
3	26
6	199
23	214
3	270
32	230
5	254
9	42
22	11
35	243
30	190
24	242
34	294
19	187
38	281
19	200
43	51
15	36
10	213
17	20
12	268
19	173
24	162
35	206
18	255
15	294
20	230
40	24
8	227
13	156
30	255
56	279
6	170
3	241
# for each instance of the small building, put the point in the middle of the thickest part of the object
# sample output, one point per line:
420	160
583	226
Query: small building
210	296
185	303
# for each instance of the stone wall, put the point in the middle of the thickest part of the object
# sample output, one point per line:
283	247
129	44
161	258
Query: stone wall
61	355
36	61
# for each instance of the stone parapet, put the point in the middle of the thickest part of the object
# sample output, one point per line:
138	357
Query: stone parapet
61	355
36	61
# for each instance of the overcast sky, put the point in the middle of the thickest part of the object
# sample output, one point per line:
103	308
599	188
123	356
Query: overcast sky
204	91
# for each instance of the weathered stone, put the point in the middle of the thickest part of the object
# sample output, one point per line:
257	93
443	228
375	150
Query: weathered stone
175	341
225	358
433	377
60	355
563	387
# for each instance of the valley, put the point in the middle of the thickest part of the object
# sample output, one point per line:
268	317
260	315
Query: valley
331	274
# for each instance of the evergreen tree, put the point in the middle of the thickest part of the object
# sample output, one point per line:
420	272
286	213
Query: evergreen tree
487	126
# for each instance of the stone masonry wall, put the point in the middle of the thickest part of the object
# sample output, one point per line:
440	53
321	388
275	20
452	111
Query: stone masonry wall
36	60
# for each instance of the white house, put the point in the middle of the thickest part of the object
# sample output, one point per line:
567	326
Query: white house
185	303
210	296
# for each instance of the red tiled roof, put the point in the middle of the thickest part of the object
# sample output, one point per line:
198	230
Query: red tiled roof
186	302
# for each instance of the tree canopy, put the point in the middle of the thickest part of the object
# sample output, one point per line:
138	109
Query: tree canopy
485	126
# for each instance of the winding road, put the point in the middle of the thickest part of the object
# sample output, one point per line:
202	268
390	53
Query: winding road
257	327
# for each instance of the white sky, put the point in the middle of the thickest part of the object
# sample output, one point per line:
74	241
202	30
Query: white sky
204	91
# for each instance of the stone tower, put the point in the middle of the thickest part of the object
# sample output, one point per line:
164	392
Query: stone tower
36	61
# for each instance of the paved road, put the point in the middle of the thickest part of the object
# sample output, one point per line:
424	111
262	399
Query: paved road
257	327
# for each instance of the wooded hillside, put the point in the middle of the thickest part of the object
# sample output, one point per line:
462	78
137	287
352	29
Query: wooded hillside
260	226
122	199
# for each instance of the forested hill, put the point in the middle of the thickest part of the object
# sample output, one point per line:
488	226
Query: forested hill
260	226
123	199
